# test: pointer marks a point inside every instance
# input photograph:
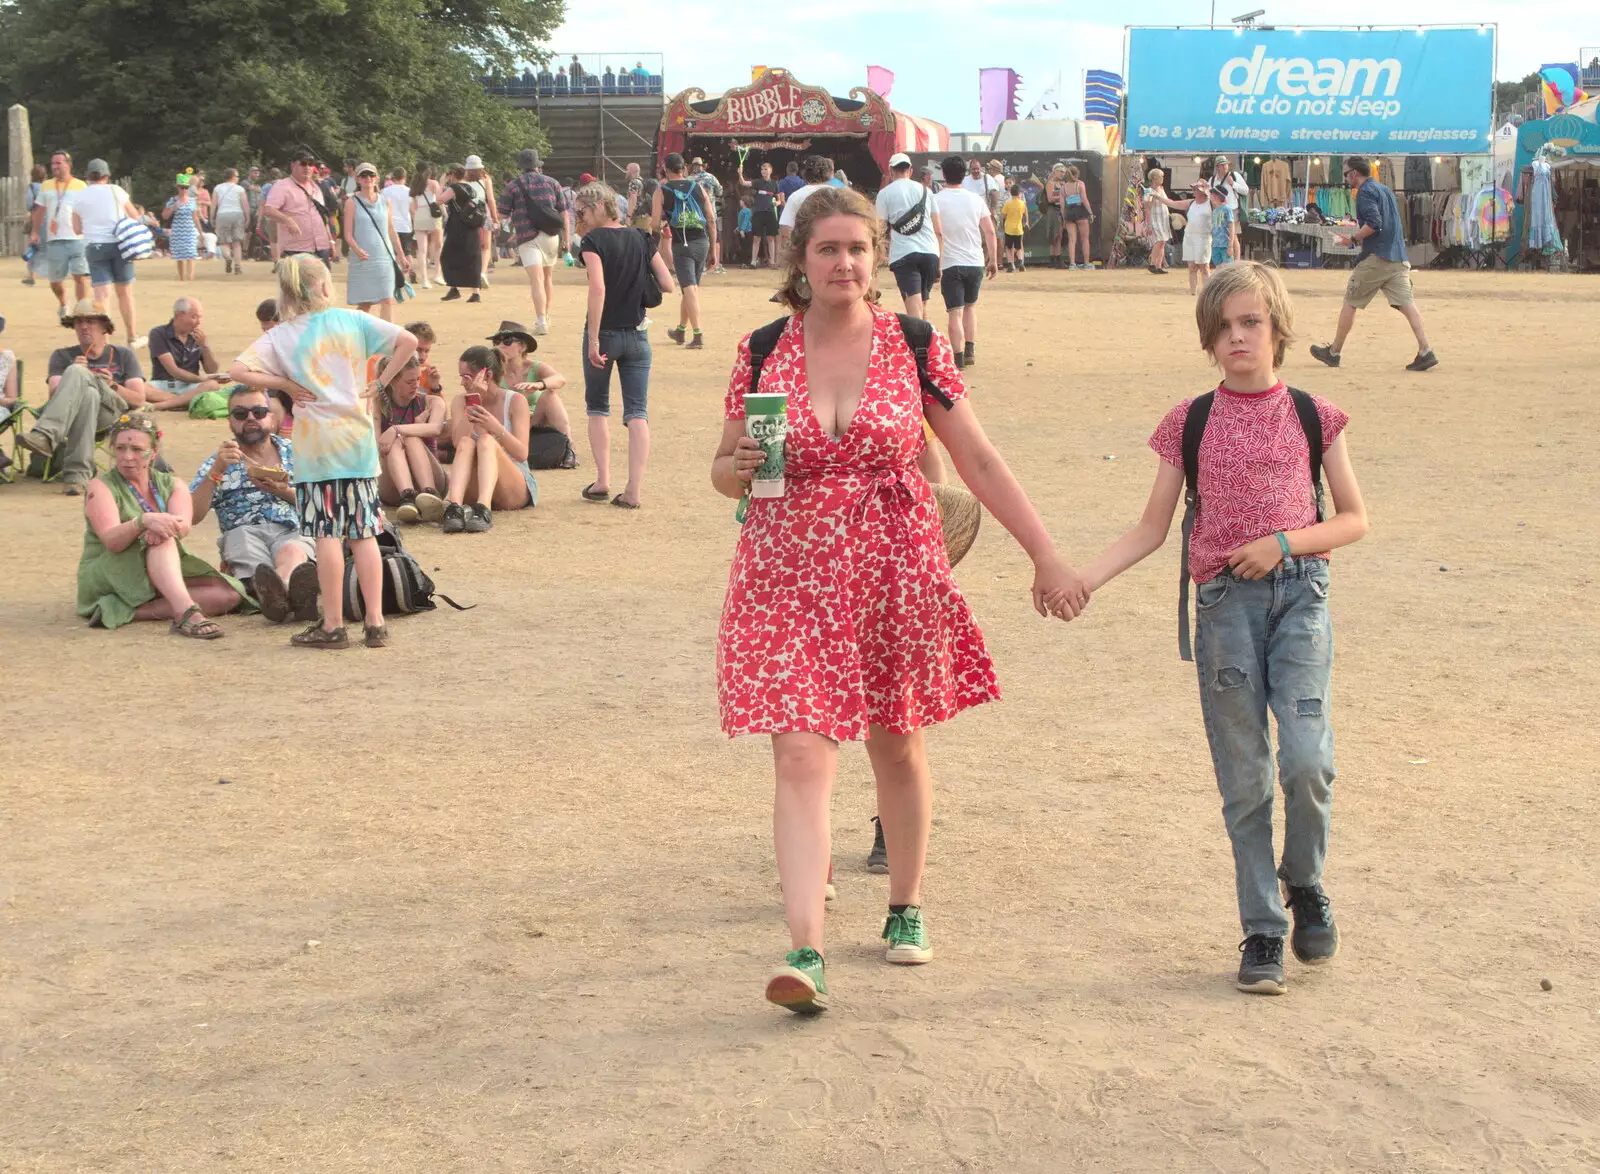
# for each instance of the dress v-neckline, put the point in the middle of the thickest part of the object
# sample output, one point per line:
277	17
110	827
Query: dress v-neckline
866	384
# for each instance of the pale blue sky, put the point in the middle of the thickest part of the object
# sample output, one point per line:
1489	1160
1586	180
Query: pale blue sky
936	47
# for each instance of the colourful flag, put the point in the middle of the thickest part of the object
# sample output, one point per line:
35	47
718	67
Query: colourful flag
1560	86
1048	104
1102	95
880	80
997	98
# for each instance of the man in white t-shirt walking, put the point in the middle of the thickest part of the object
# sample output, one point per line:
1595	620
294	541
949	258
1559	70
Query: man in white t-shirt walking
911	222
398	193
96	211
230	212
817	172
969	253
986	186
1236	189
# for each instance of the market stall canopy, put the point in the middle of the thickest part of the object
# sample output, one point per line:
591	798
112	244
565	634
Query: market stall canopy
919	134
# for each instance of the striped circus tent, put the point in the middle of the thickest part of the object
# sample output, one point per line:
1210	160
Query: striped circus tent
919	134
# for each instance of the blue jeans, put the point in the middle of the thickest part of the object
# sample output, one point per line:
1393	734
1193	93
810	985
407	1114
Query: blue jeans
107	266
1267	644
629	352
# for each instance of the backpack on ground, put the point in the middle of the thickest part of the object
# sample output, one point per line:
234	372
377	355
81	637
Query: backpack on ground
1194	428
550	448
406	586
919	337
685	213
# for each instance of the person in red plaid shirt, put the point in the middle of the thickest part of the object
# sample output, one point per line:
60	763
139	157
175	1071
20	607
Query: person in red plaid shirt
533	204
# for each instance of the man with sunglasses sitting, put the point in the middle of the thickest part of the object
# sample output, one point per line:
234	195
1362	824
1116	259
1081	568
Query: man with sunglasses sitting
261	540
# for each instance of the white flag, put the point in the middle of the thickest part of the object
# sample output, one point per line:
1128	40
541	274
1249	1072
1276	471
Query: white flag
1048	104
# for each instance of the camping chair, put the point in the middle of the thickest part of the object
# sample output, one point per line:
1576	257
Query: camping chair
25	461
12	425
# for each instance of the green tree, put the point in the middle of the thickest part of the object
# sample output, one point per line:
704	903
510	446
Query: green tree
1509	96
154	87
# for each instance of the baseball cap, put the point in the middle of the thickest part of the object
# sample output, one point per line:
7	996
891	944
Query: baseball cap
97	167
474	163
366	169
585	178
697	162
304	154
899	159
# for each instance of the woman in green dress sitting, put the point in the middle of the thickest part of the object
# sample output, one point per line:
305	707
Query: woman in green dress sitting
134	565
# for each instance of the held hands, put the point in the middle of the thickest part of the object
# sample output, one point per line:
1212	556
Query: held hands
159	527
748	456
1058	590
1256	559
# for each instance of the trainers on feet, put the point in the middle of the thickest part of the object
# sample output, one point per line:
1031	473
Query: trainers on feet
1315	938
1426	361
272	594
907	937
36	442
878	858
455	519
697	343
1325	354
800	984
478	519
377	637
676	334
1261	968
430	507
316	636
303	592
969	354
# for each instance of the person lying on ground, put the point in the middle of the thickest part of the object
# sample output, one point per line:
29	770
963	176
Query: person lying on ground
134	565
408	421
181	359
248	481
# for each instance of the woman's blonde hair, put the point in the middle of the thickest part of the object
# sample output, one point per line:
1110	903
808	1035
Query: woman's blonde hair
1155	176
795	291
1058	169
595	195
1239	278
302	286
1072	173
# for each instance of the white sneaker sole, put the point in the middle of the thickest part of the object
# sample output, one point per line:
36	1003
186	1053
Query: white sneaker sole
1263	986
908	955
430	508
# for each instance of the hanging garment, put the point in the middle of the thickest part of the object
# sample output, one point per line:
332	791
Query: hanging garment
1447	174
1542	232
1276	188
1476	173
1419	174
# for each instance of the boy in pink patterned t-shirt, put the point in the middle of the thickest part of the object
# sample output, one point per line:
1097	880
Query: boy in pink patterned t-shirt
1259	559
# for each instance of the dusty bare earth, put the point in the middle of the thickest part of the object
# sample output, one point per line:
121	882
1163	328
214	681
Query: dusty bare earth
502	897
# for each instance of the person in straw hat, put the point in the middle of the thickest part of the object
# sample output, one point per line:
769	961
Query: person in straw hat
842	620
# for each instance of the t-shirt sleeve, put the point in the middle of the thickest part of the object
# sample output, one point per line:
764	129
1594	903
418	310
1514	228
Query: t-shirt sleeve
1333	421
262	355
1167	439
200	473
378	335
943	371
160	344
59	361
738	382
129	362
277	195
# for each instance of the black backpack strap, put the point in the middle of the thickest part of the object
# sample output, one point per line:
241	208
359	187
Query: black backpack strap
1311	424
1194	428
919	337
762	344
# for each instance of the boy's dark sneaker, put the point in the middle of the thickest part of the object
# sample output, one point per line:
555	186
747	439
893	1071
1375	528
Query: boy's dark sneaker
1315	938
1261	968
969	354
878	858
1326	355
478	519
696	343
1426	361
676	334
455	519
961	362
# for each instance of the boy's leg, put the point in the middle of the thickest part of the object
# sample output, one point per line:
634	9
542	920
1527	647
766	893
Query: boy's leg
1230	657
1300	668
330	581
369	574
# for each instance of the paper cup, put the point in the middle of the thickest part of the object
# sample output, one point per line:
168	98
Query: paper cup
766	421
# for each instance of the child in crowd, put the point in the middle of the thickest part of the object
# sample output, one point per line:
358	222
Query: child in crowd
1258	554
429	380
1222	228
267	314
747	226
1016	221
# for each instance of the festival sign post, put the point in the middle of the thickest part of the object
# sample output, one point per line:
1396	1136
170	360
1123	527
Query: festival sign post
1412	91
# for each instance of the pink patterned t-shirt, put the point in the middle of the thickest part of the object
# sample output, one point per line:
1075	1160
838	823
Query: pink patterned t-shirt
1255	470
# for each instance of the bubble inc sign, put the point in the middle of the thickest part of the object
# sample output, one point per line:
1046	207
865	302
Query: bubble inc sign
1370	92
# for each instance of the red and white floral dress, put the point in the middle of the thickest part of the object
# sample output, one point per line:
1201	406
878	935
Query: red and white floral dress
841	610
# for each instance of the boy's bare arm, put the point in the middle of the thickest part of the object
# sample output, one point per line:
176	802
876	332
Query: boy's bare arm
1145	538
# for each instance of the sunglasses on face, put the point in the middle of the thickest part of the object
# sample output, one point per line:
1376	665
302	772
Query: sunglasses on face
504	339
246	413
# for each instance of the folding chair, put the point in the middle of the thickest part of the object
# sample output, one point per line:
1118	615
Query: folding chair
13	425
21	458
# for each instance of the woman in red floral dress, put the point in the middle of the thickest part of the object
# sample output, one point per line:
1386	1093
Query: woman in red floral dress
842	619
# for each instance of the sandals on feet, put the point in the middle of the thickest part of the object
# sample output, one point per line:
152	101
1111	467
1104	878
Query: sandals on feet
193	624
623	503
316	636
590	493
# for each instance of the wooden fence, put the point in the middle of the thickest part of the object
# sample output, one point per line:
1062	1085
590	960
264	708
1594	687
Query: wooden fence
13	215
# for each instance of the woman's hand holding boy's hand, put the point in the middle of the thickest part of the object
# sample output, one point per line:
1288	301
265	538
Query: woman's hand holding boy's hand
1058	590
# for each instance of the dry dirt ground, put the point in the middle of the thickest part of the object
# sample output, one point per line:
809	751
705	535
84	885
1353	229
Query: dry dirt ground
502	897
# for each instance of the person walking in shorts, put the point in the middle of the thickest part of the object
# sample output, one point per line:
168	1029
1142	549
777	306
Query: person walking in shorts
911	220
1382	268
683	206
969	253
765	204
54	232
232	217
98	209
536	207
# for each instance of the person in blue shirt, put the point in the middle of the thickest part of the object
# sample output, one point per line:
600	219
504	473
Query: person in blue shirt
1382	266
1222	219
790	183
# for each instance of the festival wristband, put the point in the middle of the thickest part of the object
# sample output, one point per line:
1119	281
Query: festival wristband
1283	544
215	476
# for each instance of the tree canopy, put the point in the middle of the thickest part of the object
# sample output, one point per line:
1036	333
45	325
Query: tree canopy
154	87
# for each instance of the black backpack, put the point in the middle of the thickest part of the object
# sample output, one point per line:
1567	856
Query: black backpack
472	214
406	586
550	448
1194	428
919	336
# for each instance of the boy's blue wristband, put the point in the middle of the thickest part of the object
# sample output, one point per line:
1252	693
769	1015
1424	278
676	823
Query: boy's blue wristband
1283	544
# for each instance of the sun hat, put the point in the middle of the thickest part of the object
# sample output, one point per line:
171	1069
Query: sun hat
473	163
899	159
959	517
528	159
365	169
87	309
517	331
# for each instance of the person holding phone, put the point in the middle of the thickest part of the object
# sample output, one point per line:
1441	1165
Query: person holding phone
489	426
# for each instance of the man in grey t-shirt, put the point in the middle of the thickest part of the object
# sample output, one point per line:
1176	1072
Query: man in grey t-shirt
914	245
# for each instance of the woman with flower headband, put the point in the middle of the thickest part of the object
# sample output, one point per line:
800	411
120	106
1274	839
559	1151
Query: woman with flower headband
134	564
182	217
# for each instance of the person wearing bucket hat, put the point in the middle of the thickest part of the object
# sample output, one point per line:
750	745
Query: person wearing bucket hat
540	382
90	385
378	265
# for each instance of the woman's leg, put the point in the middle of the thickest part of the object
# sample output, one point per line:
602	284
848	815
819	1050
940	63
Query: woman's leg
804	766
905	808
369	574
1194	273
551	413
162	564
214	596
394	477
330	582
418	462
461	470
633	372
638	454
386	309
489	454
600	448
510	488
597	402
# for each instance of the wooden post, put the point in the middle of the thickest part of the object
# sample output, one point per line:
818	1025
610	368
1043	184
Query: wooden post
21	140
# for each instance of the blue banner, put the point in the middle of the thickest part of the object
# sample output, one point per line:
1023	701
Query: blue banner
1370	92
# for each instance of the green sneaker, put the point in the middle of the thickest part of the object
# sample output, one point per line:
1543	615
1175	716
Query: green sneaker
907	937
799	984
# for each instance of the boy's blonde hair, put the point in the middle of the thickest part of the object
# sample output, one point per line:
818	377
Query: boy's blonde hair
1238	278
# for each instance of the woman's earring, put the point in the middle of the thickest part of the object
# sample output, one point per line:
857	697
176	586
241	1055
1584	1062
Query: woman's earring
805	287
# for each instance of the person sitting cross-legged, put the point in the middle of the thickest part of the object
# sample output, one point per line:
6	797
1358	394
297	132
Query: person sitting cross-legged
134	565
534	378
181	360
249	482
409	422
489	426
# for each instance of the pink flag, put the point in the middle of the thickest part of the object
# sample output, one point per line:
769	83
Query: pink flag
997	98
880	80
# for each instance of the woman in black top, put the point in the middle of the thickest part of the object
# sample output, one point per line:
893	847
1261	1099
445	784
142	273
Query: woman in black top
616	260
